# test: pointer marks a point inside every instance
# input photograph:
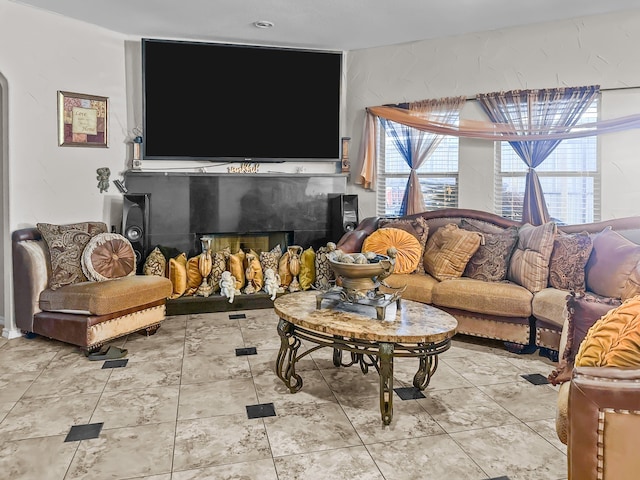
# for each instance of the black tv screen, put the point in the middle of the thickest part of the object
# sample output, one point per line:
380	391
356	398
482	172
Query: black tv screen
221	102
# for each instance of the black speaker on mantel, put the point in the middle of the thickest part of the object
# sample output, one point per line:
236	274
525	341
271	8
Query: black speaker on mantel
135	224
344	215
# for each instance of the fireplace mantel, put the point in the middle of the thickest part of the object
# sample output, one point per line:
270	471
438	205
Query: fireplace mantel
183	206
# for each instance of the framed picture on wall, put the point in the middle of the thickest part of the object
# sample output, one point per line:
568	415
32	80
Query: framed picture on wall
82	120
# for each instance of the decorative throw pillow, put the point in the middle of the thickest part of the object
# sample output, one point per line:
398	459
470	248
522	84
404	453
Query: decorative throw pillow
569	257
449	250
194	277
107	256
612	260
283	270
529	265
416	226
218	265
178	275
155	263
632	285
271	258
307	268
406	244
236	267
253	273
614	340
491	260
66	244
583	311
324	273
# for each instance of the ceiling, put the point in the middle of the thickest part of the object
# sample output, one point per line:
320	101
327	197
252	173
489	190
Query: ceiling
319	24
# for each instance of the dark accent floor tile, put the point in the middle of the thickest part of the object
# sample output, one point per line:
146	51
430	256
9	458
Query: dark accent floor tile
408	393
121	362
261	410
246	351
535	378
84	432
236	316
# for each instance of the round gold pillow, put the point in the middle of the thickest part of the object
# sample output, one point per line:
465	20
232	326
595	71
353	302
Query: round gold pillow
107	256
614	340
407	245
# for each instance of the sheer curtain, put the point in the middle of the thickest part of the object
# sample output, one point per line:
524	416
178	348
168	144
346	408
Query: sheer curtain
416	146
541	112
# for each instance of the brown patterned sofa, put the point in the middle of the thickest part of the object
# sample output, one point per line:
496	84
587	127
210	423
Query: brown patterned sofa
59	305
525	318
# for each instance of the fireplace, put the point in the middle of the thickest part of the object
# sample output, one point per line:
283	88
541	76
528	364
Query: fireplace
291	209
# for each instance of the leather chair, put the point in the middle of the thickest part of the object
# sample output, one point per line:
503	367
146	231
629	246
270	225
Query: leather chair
604	424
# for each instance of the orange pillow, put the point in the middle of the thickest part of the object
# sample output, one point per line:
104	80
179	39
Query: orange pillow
407	245
614	340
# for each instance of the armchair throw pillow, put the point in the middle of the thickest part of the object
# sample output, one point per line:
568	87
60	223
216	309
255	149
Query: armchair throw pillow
529	265
614	340
107	256
66	244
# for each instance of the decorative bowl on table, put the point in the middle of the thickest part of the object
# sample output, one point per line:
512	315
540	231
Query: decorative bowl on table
358	278
361	271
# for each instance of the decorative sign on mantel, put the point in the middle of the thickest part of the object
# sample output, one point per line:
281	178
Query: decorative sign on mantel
246	167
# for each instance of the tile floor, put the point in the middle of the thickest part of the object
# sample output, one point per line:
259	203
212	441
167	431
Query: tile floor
177	411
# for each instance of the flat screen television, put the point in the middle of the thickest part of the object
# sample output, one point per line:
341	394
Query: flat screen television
225	102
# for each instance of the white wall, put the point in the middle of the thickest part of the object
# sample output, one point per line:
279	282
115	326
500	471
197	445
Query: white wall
42	53
592	50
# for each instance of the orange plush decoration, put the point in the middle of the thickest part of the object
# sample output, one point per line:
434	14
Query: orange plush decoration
407	245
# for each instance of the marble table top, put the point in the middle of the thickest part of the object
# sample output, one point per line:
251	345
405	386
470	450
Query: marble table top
413	323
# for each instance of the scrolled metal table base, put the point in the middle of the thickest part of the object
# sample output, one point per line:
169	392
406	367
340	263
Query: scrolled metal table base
364	353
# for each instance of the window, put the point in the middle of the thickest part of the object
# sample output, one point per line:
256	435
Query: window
438	176
570	179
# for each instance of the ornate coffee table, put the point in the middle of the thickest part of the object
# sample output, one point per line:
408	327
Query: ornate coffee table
414	330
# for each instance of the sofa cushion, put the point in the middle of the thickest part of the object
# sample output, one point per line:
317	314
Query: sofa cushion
418	286
416	226
529	265
155	263
491	260
550	305
569	257
612	260
407	246
103	298
448	251
614	340
107	256
503	299
66	244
